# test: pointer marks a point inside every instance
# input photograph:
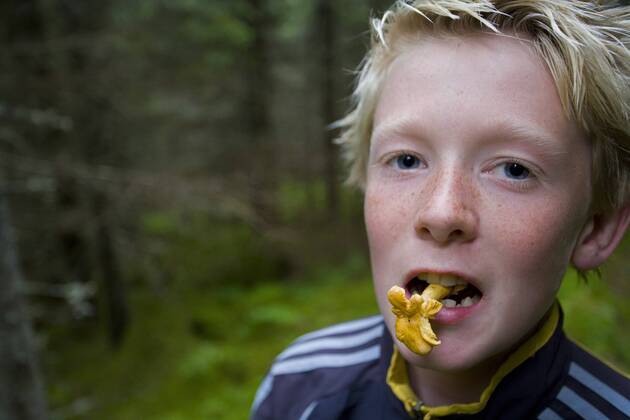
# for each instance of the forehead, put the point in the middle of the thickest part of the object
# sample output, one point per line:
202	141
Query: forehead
469	81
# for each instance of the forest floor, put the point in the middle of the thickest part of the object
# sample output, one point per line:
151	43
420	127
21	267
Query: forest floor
201	354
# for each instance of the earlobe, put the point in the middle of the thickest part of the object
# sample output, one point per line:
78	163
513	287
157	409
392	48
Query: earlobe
599	238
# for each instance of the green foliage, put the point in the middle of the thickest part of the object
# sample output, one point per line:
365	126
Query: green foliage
202	354
296	18
298	201
595	317
199	251
211	33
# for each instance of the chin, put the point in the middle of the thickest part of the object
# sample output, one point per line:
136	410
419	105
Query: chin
442	359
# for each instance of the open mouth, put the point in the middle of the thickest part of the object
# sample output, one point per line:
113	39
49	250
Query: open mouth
463	294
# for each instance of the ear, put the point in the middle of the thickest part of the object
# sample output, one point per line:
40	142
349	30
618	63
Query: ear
599	238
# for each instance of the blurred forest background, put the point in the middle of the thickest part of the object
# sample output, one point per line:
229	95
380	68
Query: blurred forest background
171	207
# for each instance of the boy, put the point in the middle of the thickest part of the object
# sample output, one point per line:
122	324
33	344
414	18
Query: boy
491	139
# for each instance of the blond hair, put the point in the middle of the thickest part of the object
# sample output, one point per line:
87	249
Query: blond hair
585	45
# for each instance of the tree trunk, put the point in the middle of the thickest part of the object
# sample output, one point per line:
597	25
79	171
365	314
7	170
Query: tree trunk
111	279
21	387
257	110
325	25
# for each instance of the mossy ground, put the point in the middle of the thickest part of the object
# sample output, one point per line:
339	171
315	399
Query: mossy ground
200	354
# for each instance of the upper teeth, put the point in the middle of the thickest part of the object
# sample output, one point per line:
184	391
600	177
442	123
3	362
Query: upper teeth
446	280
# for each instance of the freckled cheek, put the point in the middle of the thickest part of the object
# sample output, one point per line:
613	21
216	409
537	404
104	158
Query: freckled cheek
386	214
376	222
385	219
537	240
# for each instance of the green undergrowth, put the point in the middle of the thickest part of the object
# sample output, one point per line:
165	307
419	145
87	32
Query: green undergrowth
200	354
193	249
597	318
298	201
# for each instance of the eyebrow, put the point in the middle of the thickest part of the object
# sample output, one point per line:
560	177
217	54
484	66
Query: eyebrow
504	130
530	135
399	126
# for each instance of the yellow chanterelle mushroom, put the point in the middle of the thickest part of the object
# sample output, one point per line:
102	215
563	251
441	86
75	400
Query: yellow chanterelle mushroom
412	316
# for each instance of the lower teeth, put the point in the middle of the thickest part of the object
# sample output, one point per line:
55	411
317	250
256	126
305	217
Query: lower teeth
467	301
449	303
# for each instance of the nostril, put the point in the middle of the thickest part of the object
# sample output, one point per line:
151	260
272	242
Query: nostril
444	228
423	231
441	235
456	234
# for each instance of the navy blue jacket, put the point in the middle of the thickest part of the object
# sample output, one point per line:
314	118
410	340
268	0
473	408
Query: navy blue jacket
339	372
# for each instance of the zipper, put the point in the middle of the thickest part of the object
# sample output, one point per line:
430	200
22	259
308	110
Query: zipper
417	410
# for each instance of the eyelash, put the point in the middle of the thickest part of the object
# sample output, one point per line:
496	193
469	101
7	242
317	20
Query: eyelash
519	184
391	160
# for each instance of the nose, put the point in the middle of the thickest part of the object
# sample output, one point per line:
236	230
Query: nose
447	209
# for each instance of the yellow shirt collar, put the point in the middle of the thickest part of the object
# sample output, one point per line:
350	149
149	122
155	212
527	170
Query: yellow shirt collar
398	379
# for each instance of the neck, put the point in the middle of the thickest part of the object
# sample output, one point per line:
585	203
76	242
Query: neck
436	388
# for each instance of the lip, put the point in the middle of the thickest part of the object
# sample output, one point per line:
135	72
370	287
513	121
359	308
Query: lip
450	316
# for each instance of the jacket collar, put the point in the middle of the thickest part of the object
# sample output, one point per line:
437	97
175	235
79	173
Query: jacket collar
523	378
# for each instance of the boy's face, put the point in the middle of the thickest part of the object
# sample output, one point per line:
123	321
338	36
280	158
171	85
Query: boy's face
475	170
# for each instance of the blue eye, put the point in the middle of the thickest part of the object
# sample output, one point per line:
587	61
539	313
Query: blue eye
407	161
515	170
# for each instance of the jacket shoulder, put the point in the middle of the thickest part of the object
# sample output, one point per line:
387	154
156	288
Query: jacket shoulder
592	389
318	364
